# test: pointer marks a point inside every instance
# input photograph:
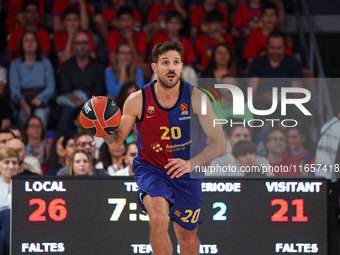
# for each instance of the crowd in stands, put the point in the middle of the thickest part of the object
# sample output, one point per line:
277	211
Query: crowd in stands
58	54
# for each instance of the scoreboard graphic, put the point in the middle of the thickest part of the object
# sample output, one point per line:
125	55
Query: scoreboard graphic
89	216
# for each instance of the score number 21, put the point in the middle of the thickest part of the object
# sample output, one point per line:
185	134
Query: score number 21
279	215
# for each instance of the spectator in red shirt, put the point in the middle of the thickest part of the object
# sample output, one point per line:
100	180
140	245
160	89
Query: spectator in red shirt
235	4
247	18
136	40
257	40
31	17
108	18
216	34
15	17
198	22
156	16
63	41
60	6
173	25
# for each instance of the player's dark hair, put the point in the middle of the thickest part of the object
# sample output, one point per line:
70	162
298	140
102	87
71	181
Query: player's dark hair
173	14
243	147
164	47
6	131
80	134
215	16
272	130
230	129
270	7
71	10
25	127
30	2
125	10
22	51
277	34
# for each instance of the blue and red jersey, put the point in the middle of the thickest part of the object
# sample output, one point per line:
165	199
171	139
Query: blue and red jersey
164	133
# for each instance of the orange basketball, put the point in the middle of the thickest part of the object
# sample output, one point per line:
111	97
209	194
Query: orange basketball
100	116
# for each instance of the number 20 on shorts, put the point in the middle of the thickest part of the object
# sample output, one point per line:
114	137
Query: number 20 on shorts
193	215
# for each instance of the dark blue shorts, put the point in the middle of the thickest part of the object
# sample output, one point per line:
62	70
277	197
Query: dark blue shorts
184	194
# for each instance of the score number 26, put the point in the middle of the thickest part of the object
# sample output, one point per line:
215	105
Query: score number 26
56	209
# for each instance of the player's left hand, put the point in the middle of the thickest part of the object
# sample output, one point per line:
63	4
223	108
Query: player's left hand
177	167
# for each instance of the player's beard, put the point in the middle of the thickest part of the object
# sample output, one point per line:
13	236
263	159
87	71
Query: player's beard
165	84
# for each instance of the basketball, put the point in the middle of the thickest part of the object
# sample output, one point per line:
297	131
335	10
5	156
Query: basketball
100	116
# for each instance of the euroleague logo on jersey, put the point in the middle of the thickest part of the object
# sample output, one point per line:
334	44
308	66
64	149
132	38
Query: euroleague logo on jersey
184	109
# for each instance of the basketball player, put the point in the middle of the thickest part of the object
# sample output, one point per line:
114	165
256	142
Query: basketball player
164	113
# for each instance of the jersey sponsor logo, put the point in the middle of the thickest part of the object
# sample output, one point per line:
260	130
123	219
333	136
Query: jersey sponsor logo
185	118
184	109
157	147
151	109
177	147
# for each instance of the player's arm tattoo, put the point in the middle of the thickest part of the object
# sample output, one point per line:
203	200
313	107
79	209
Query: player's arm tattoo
113	138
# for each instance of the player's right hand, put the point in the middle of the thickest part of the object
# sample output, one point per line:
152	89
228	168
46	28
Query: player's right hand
177	167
